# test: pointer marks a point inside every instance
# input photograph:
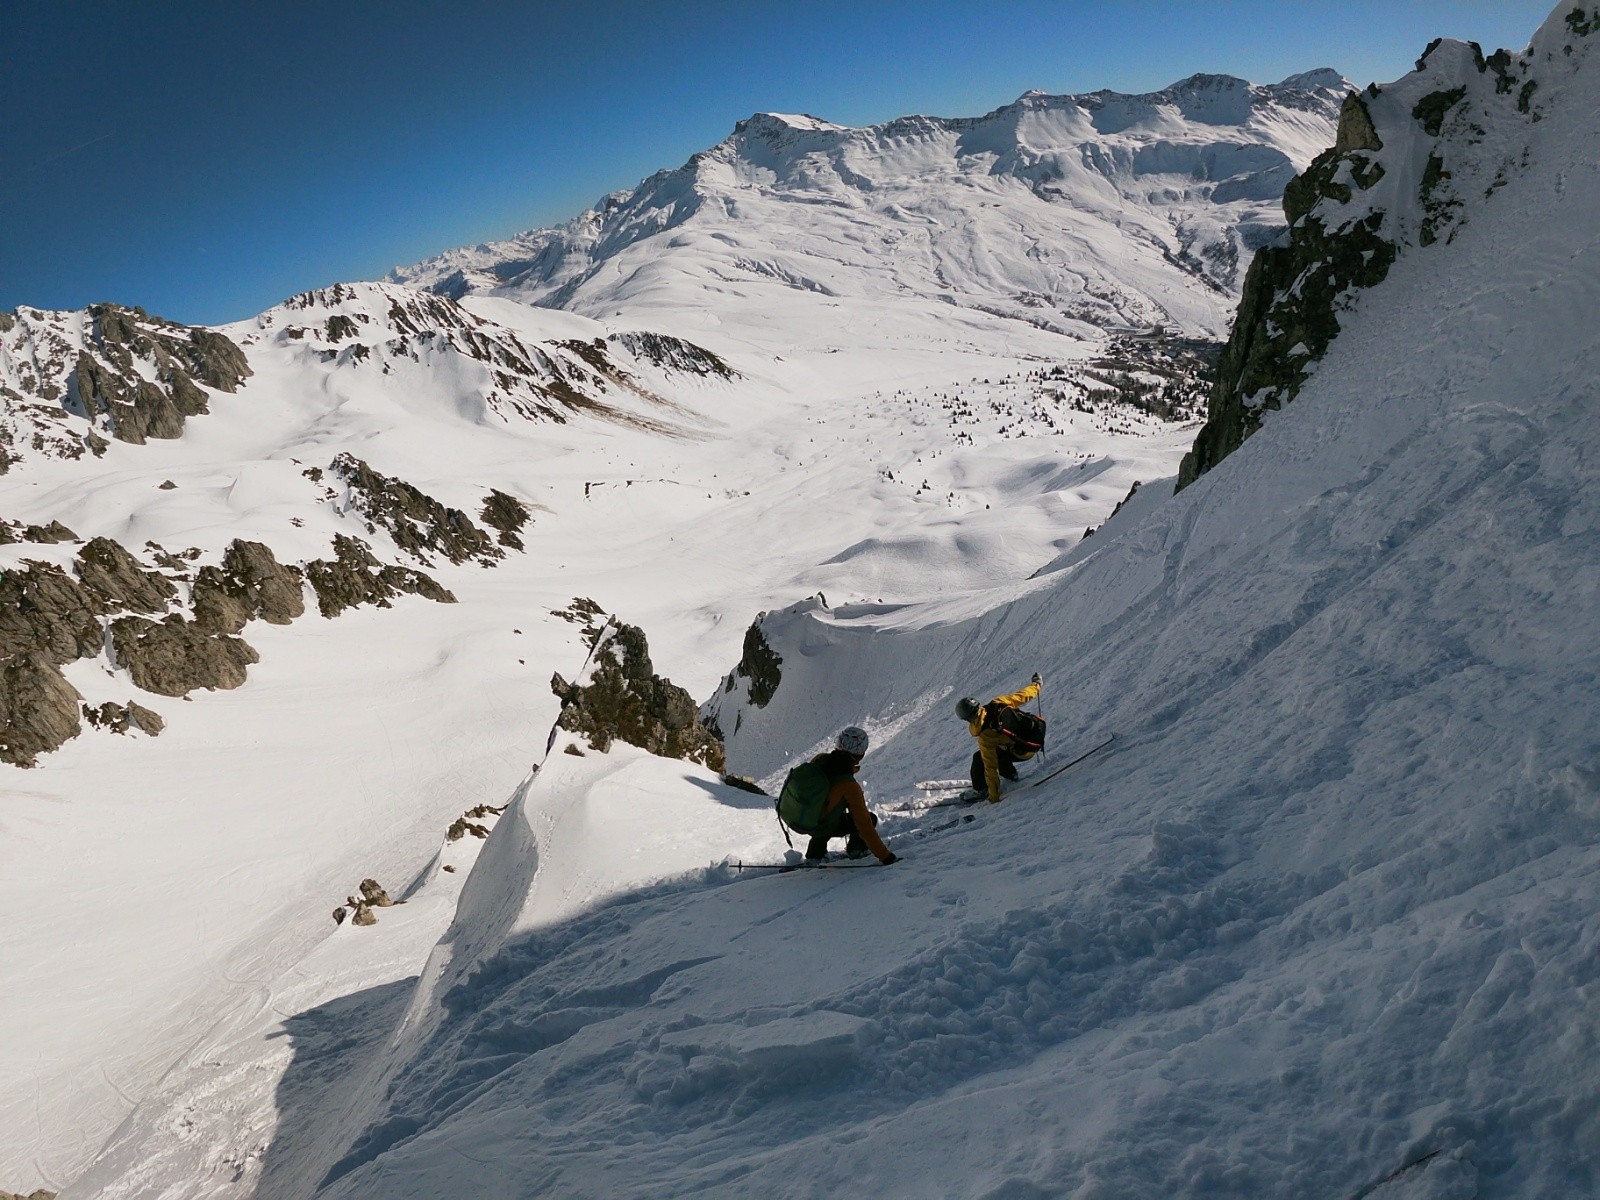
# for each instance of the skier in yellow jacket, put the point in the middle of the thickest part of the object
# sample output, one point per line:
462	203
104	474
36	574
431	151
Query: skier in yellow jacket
998	750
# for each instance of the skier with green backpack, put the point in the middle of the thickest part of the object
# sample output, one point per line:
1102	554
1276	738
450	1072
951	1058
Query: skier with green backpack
822	799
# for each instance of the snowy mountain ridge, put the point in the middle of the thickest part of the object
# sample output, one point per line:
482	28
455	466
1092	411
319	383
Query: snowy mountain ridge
1186	179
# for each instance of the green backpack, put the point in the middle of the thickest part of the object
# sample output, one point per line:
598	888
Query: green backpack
804	795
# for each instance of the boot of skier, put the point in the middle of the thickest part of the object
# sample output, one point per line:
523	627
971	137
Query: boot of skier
844	811
1006	736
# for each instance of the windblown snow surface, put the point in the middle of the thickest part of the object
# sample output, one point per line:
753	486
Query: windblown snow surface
1324	920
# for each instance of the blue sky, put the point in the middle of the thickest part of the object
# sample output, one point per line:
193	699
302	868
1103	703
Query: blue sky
207	160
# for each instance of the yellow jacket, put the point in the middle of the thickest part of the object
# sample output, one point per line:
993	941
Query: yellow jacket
992	741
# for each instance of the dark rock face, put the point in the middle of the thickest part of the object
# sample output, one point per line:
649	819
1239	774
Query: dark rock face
1458	138
44	611
760	664
373	893
759	667
105	567
419	524
584	611
109	382
673	354
353	576
507	514
174	656
48	535
250	583
73	377
1288	312
38	708
119	719
460	827
468	822
626	700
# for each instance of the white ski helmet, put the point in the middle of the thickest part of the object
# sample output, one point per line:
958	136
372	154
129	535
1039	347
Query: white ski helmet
853	740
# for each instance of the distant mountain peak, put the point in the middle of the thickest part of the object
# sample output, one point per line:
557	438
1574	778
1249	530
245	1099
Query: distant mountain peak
762	121
1322	77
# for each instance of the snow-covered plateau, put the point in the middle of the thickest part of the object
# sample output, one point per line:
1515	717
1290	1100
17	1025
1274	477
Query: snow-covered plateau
280	604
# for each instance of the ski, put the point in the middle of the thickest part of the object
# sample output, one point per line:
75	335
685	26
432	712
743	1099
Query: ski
966	796
825	864
964	819
942	785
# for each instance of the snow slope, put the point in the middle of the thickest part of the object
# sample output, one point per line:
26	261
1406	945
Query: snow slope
1322	922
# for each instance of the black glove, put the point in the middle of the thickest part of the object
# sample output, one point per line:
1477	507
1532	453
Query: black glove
893	858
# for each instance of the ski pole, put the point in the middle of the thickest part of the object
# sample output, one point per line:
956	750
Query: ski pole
1074	762
1038	703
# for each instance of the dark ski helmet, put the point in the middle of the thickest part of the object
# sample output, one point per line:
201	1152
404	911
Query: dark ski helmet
967	707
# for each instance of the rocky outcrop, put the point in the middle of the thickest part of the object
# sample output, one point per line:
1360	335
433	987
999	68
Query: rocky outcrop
1288	313
67	378
48	619
759	668
372	892
250	584
672	354
145	374
120	718
173	657
183	358
761	665
461	827
12	532
419	524
1408	163
353	577
625	699
368	326
587	613
38	1193
38	708
470	822
507	514
44	611
107	568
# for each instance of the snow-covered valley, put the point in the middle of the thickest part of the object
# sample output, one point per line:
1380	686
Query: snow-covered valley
1322	920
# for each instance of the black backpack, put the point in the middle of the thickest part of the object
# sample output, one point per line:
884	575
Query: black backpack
1021	726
